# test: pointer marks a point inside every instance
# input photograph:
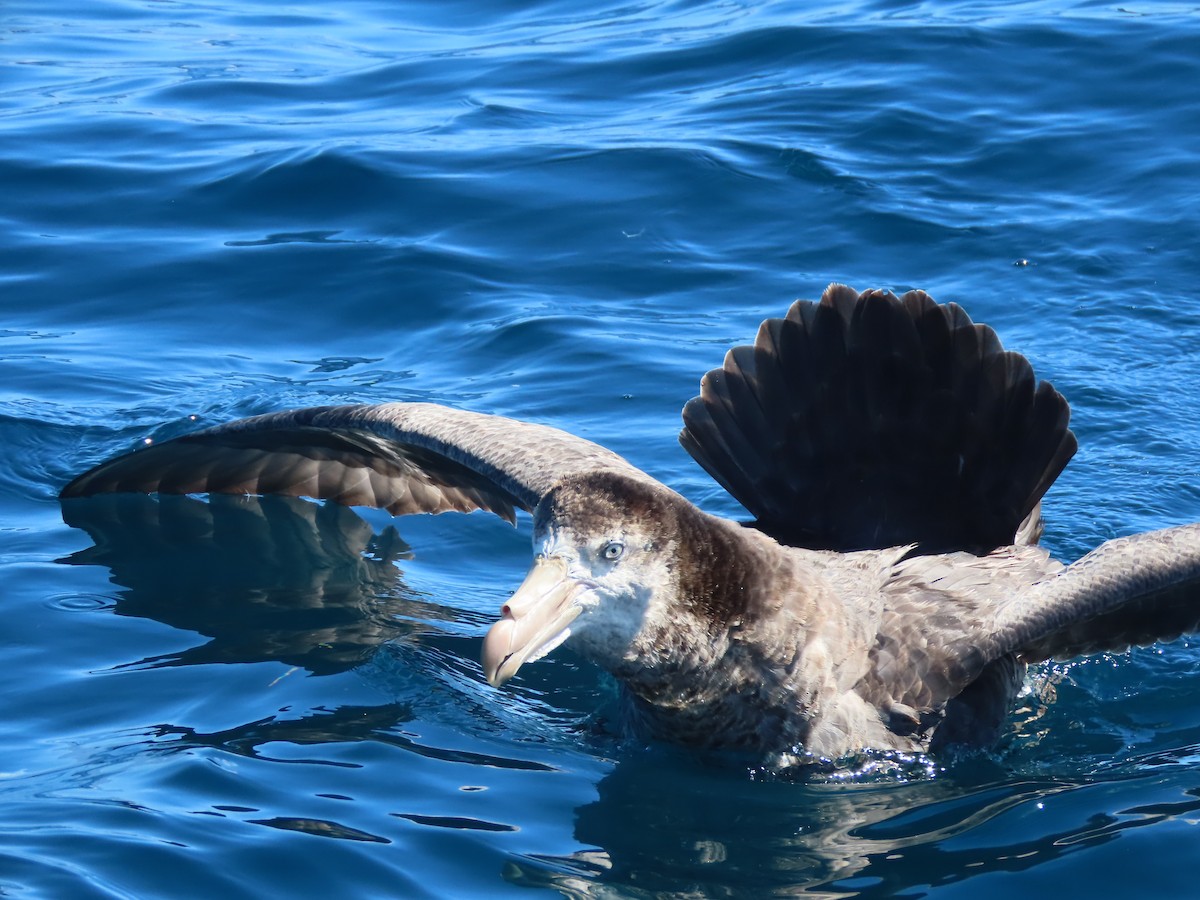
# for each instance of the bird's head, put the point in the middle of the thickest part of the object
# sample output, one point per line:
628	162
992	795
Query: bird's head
604	549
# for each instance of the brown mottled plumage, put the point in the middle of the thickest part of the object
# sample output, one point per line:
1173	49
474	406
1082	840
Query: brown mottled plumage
888	595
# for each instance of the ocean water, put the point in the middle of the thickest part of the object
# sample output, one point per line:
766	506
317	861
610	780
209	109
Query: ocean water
565	213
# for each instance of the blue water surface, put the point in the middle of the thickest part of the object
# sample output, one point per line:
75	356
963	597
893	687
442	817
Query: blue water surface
566	213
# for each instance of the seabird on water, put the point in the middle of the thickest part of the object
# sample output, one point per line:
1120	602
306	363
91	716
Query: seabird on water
888	594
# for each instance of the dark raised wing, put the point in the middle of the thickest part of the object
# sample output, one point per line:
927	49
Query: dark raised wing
402	457
869	421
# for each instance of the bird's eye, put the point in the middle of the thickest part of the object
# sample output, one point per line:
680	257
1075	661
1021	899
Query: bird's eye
613	550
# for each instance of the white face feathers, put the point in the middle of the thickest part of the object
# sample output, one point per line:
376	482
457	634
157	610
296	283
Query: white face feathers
596	589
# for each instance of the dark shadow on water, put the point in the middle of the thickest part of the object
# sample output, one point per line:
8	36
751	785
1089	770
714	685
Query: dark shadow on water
345	724
264	578
684	828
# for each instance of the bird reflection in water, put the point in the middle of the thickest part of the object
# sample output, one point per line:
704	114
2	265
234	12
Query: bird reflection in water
264	578
678	827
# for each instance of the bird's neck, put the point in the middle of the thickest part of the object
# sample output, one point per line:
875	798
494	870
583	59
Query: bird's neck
729	654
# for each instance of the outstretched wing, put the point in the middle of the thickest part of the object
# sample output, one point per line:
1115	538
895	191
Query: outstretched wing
402	457
954	621
870	421
1128	592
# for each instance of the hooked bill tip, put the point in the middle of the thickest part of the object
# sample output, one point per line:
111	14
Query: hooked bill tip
497	650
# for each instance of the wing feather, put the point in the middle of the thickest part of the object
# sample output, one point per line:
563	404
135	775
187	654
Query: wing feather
403	457
1130	591
869	420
